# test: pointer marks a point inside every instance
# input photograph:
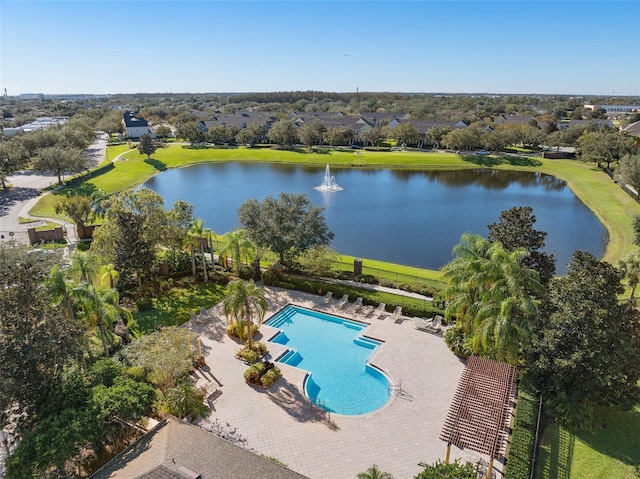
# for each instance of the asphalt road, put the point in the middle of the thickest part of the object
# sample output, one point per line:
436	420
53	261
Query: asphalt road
26	190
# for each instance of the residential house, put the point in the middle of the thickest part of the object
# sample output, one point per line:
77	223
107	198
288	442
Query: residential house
134	127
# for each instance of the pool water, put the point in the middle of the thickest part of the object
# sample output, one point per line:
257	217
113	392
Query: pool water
336	355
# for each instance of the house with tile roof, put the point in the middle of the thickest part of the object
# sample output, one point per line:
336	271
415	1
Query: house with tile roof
177	450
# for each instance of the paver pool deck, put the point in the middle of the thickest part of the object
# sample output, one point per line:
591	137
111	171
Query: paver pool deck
282	423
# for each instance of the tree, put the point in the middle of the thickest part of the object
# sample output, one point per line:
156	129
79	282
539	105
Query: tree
515	230
436	134
311	133
630	172
498	139
462	139
586	350
604	146
37	338
319	260
190	131
374	473
337	136
134	253
371	135
406	134
221	134
60	160
636	230
196	238
490	294
630	267
287	225
77	207
166	354
84	264
110	123
100	309
252	134
178	222
243	303
163	131
283	133
13	157
238	246
146	146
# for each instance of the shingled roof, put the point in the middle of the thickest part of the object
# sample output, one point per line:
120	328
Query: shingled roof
177	450
480	413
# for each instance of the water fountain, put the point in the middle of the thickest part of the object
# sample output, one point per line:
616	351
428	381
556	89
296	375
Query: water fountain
329	182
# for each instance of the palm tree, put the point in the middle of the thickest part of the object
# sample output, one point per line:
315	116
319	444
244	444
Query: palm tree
630	266
243	302
100	309
491	293
374	473
61	291
197	239
108	276
84	264
238	246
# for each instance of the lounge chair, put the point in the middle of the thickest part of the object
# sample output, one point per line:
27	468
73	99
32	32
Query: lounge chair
344	300
366	310
328	296
395	316
357	304
193	316
422	324
379	310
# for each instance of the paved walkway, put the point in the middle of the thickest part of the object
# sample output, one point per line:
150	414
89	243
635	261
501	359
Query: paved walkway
282	423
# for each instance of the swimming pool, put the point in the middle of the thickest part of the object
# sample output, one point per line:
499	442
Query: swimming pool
336	355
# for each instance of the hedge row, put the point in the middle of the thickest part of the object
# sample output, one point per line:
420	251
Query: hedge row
523	438
410	306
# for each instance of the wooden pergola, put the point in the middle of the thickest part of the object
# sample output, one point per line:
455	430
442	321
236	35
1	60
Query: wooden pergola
480	413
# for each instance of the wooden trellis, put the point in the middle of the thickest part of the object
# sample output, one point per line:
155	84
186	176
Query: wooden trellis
480	413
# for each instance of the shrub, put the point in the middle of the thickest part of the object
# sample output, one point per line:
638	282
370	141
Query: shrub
270	377
523	437
458	342
144	304
262	374
246	273
271	277
258	349
248	355
232	330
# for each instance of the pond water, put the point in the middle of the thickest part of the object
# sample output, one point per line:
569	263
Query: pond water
401	216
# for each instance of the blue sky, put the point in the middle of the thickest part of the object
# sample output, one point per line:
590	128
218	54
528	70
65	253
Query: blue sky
565	47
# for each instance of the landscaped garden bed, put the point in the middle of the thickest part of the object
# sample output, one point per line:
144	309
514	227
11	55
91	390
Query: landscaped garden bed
262	374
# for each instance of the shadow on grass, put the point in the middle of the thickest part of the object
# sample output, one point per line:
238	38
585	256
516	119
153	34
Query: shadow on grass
615	435
157	164
490	161
556	453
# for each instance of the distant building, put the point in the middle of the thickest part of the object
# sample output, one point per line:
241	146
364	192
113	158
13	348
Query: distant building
134	127
612	110
40	124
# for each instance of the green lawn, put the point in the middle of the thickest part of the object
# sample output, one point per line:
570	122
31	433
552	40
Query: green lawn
173	308
612	450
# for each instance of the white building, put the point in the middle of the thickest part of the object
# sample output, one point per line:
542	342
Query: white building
39	124
134	127
611	110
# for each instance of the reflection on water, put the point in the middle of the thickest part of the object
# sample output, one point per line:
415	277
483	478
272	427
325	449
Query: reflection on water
402	216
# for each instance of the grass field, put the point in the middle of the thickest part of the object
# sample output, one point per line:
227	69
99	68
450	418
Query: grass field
612	450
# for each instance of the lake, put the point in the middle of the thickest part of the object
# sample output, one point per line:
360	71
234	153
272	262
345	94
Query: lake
401	216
